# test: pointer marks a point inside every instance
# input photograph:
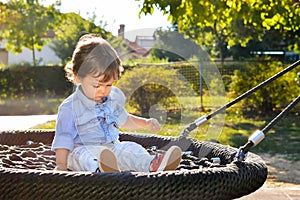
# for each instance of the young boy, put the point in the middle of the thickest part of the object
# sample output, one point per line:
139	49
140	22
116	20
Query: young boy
88	121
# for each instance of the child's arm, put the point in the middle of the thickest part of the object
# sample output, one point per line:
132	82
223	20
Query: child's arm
61	159
134	122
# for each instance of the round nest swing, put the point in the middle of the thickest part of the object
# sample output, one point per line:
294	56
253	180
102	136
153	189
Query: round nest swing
27	163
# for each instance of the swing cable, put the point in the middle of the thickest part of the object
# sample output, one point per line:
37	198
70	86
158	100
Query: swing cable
259	135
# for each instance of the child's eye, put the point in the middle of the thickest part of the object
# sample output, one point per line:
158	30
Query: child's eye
96	86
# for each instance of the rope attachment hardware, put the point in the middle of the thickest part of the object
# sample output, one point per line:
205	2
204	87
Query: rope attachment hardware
253	140
198	122
259	135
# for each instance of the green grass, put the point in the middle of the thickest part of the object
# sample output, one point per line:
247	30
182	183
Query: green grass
29	106
48	125
232	129
284	138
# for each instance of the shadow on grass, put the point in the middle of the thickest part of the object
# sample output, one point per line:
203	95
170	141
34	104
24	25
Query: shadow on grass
283	138
238	140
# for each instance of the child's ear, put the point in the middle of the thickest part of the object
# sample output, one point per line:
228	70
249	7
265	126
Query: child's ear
77	79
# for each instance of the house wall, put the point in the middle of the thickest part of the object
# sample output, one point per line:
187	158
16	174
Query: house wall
145	42
3	56
3	53
46	55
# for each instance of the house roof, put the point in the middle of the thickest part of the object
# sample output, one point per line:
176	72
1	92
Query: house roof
134	47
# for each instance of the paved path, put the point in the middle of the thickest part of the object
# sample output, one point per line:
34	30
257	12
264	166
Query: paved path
23	121
264	193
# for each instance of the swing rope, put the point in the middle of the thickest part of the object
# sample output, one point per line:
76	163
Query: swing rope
259	135
281	115
202	120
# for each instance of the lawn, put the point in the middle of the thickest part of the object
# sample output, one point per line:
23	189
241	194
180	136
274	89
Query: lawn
29	106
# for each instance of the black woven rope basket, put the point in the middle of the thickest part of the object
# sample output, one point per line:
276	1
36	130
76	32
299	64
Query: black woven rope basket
26	172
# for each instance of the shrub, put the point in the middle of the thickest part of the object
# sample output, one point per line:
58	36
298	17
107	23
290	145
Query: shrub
152	85
275	95
29	82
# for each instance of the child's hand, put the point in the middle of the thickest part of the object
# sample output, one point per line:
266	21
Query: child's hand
153	125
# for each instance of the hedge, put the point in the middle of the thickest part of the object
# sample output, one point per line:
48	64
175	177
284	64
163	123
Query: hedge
50	81
34	82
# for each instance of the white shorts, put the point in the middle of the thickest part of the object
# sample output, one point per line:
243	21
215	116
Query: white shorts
130	156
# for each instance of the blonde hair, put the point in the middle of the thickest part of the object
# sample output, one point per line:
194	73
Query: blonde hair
94	55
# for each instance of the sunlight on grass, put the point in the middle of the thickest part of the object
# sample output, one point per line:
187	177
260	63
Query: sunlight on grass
48	125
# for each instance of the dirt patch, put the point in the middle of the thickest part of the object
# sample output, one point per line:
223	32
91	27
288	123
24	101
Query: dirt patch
281	172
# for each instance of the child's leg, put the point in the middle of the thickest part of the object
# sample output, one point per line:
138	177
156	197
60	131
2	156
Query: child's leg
85	158
82	159
132	156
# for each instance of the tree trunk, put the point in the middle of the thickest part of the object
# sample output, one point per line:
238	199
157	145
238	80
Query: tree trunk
33	53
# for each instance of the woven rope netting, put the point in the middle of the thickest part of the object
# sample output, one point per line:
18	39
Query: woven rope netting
27	163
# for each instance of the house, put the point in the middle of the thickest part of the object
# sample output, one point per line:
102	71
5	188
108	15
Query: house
140	47
136	49
44	57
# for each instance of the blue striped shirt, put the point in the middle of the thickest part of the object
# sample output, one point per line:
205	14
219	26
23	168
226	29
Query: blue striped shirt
82	121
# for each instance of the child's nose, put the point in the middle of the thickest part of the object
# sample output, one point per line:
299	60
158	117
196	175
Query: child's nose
101	89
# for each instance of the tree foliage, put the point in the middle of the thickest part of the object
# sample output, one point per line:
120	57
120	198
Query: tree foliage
173	46
218	24
25	24
70	28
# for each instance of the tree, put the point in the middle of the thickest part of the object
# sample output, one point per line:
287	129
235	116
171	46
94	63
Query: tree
209	23
71	27
282	16
25	24
172	45
218	24
271	40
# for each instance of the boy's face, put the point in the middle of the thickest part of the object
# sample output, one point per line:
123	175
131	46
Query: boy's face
94	88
